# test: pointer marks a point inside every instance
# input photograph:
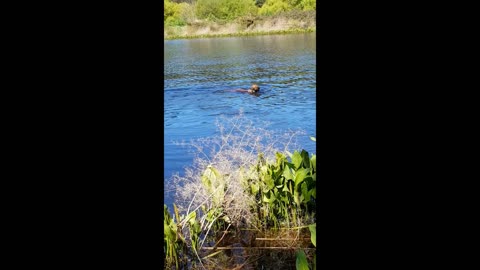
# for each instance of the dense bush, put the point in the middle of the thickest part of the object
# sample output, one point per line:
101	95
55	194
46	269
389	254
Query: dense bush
308	4
180	12
271	7
224	10
177	13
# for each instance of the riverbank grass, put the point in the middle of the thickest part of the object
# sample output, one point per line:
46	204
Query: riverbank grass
241	34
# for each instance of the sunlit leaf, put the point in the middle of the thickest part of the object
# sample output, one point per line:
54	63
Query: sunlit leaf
269	181
287	173
296	198
305	192
296	159
300	175
313	139
285	188
206	182
313	160
301	261
269	200
255	188
191	217
280	159
313	233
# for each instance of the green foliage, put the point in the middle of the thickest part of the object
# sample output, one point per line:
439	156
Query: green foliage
174	14
214	184
301	261
293	3
313	233
194	227
286	187
187	13
171	242
224	10
272	7
308	4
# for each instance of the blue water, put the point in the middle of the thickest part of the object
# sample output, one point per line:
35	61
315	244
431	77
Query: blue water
198	72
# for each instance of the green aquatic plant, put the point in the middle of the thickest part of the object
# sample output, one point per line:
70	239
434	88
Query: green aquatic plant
242	185
287	188
173	243
301	261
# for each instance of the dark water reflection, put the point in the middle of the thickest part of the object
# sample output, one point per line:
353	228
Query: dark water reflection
198	71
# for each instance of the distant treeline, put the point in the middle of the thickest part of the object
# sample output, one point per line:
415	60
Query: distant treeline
183	12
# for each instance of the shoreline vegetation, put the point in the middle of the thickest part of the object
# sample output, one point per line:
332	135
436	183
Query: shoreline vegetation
189	19
249	203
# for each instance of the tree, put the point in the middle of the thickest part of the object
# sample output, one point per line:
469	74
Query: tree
224	9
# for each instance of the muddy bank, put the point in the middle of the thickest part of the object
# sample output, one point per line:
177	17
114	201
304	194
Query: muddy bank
242	27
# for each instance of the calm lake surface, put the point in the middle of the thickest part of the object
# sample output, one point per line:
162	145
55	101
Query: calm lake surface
199	71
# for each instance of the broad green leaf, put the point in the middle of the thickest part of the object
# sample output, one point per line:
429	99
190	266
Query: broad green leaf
305	159
266	199
255	188
313	160
301	261
300	175
296	198
191	216
268	181
209	177
305	192
206	182
313	233
215	172
167	232
287	173
313	192
280	159
289	154
296	159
